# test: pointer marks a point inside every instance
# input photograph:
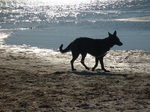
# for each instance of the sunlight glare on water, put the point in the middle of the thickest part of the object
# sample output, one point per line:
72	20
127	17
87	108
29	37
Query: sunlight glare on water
29	20
56	2
50	10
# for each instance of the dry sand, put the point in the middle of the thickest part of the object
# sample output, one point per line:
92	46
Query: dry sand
30	83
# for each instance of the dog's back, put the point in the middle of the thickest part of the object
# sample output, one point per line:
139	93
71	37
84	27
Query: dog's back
94	47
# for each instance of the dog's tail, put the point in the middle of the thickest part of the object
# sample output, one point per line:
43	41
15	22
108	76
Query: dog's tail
64	50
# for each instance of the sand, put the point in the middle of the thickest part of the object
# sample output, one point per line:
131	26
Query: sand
30	82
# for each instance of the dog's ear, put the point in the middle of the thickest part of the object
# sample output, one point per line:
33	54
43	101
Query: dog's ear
109	34
115	33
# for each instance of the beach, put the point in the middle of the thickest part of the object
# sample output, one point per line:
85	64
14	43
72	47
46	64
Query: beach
34	80
36	77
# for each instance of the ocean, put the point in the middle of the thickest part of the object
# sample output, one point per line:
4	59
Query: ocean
50	23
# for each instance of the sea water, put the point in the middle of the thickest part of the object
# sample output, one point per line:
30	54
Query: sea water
48	24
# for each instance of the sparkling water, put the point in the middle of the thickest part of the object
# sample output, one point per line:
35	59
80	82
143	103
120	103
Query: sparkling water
49	23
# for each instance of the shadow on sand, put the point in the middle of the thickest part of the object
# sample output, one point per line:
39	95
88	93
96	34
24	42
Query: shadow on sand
88	73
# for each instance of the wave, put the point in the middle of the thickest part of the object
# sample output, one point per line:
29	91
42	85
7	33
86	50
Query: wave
135	19
3	36
15	29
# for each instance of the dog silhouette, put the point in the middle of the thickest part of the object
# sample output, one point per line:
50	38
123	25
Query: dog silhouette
95	47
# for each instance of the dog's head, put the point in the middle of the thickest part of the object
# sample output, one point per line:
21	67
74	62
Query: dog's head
115	39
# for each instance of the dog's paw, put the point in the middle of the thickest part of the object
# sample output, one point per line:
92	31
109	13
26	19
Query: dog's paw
87	68
93	69
106	70
74	69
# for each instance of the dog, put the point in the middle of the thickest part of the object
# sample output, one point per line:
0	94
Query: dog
95	47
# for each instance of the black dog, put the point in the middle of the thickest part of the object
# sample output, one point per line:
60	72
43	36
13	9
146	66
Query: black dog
96	47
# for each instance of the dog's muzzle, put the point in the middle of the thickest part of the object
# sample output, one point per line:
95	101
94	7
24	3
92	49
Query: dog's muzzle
120	44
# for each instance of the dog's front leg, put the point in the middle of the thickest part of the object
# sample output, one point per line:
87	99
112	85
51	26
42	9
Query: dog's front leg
96	63
102	64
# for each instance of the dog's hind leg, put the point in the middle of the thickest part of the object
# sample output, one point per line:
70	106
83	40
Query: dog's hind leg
96	63
82	60
102	64
74	57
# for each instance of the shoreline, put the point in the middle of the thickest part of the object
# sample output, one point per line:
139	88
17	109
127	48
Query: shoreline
120	61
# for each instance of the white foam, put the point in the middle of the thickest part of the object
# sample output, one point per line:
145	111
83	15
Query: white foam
5	33
136	19
15	29
3	36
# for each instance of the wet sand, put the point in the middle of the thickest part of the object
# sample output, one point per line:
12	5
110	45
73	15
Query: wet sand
30	82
